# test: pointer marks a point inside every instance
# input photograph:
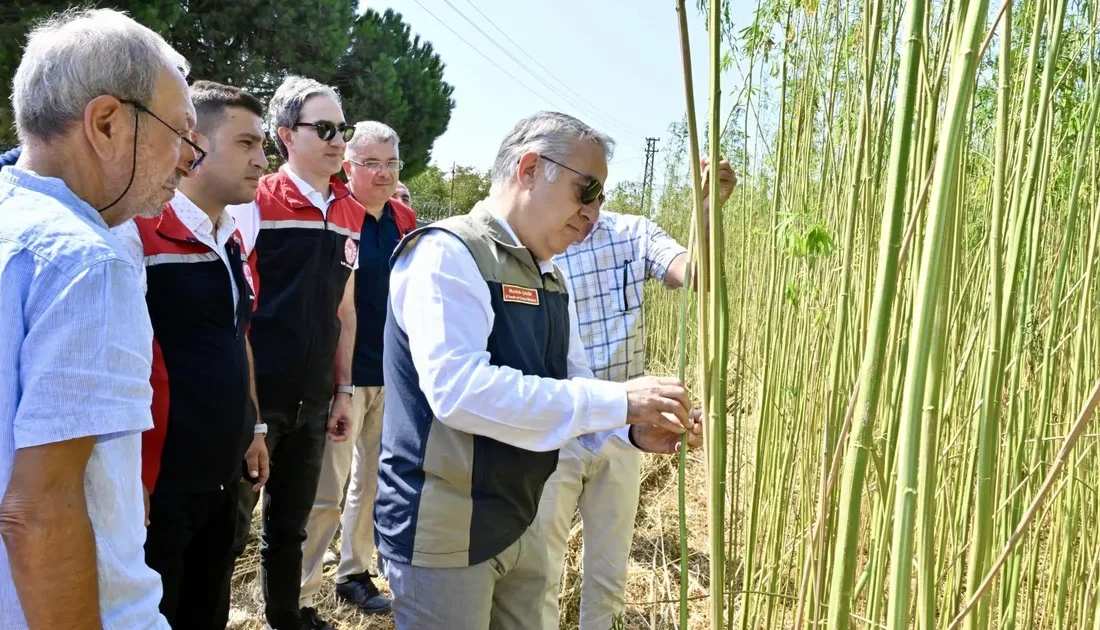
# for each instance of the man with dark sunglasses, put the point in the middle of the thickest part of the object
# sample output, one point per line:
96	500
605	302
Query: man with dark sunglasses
304	229
372	164
607	268
486	379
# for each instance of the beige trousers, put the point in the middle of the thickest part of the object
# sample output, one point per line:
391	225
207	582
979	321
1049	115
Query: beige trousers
604	487
357	458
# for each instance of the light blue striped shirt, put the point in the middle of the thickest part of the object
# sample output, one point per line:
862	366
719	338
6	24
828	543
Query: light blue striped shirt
75	357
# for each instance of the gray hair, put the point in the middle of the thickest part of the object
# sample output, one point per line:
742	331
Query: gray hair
79	55
372	132
286	105
549	133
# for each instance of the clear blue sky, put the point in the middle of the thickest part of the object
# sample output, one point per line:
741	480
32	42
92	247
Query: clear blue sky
621	56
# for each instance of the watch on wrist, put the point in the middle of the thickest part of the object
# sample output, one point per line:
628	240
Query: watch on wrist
261	428
345	389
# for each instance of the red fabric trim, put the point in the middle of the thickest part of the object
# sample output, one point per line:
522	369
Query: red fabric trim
280	200
404	216
152	441
167	234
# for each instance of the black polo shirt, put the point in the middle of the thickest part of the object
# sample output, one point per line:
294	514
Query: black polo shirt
378	238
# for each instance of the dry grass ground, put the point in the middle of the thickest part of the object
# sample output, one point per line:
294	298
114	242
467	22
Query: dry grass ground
652	589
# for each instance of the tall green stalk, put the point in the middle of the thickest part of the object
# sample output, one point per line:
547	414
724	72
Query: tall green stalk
764	412
905	501
697	228
855	461
714	403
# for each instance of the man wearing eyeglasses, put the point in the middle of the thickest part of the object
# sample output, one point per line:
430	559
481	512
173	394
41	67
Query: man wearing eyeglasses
77	341
372	165
304	227
607	268
486	379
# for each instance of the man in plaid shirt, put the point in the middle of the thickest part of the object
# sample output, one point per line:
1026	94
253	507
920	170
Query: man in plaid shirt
607	269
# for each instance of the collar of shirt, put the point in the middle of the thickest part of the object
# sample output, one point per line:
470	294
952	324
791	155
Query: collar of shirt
316	197
56	188
210	235
545	266
199	222
387	212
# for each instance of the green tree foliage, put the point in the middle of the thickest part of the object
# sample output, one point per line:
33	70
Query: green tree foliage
17	19
391	76
625	198
433	191
382	71
254	43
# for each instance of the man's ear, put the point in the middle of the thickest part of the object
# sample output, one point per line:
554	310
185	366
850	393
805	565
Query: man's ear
286	135
107	121
526	172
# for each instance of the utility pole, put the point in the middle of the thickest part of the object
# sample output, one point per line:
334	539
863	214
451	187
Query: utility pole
647	175
451	210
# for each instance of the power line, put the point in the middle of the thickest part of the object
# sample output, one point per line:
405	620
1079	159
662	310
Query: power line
478	51
609	121
547	70
509	54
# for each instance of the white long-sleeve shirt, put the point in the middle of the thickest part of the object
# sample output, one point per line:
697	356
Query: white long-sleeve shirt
439	294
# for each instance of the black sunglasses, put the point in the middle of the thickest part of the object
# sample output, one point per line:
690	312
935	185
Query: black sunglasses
591	192
327	131
199	152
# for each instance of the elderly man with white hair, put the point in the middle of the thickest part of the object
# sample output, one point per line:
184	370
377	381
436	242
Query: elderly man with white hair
486	379
372	164
103	114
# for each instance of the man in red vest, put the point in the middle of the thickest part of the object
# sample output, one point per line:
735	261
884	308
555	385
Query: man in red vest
200	291
372	164
303	228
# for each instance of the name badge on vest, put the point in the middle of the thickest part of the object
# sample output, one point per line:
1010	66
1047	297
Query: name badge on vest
520	295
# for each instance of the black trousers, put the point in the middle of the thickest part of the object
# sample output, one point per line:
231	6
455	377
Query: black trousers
296	444
190	543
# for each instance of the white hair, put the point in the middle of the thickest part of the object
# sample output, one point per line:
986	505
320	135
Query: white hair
372	132
548	133
79	55
286	104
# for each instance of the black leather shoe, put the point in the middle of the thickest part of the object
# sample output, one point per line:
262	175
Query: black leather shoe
361	591
311	620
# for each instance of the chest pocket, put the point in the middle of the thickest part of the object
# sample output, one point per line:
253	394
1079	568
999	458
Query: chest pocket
625	283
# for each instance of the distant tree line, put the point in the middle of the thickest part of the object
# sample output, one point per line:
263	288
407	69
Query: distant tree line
438	193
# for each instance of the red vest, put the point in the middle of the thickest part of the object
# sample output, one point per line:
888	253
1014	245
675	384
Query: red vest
305	259
198	357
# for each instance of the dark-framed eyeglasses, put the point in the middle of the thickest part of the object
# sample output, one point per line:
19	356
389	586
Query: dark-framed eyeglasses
593	191
199	152
327	130
393	166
